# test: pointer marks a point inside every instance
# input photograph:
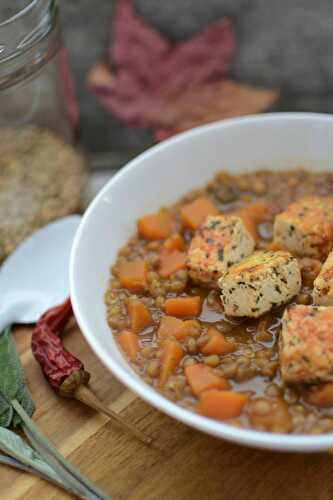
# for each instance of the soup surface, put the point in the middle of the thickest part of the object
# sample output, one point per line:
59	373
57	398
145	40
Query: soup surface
223	367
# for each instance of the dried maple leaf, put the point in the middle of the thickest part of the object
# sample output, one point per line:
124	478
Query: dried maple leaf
147	68
171	87
210	102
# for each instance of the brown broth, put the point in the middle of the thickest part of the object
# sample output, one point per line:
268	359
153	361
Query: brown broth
253	367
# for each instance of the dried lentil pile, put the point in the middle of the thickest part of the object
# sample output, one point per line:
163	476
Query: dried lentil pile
41	179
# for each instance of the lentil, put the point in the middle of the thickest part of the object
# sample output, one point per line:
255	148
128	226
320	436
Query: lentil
252	368
41	179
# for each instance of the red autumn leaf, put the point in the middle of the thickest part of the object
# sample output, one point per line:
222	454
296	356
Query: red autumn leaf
171	87
210	102
148	68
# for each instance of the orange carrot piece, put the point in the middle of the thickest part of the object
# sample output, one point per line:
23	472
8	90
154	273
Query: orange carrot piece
249	222
183	306
201	378
171	262
275	247
171	357
170	327
175	242
129	343
139	315
221	404
216	344
193	214
132	275
177	328
155	226
252	215
191	327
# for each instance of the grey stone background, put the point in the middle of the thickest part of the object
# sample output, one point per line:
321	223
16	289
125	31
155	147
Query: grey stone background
284	43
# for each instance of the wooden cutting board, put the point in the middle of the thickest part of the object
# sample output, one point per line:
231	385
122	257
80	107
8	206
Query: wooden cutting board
181	464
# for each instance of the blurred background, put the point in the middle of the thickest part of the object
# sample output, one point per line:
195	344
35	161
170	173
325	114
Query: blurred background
131	73
285	45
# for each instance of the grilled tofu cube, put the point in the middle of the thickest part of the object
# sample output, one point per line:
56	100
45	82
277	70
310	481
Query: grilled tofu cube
306	227
259	282
217	244
323	284
306	344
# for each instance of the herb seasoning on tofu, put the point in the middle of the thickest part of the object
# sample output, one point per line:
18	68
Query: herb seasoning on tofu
226	308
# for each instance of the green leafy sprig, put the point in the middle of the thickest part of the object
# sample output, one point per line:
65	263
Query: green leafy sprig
16	410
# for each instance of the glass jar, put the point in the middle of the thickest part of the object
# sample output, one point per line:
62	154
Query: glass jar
35	84
41	173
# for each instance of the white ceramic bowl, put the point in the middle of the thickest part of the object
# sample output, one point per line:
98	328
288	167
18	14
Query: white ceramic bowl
160	176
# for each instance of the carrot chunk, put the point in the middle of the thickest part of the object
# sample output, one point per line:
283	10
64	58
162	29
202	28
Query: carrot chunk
139	315
177	328
193	214
171	262
201	378
132	275
275	247
252	215
129	343
171	357
170	327
191	328
221	404
216	344
155	226
175	242
183	306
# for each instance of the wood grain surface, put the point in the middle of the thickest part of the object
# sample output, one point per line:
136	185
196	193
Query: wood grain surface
181	464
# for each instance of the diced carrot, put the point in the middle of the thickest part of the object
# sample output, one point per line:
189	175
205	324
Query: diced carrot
201	378
249	222
221	404
155	226
171	357
216	344
132	275
193	214
171	262
183	306
129	343
191	327
177	328
252	215
259	211
275	247
175	242
170	327
140	316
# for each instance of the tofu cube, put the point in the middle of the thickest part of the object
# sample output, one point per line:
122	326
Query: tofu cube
306	227
306	344
259	282
218	243
323	284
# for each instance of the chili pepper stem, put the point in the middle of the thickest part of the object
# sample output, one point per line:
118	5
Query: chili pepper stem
86	396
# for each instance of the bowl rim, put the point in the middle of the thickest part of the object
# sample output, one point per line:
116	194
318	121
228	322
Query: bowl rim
247	437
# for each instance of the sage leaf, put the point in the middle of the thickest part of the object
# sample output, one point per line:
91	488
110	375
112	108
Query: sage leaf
16	464
47	449
24	397
15	447
12	380
6	412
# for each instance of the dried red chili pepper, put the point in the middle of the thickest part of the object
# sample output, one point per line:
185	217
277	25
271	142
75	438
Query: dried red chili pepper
64	372
59	366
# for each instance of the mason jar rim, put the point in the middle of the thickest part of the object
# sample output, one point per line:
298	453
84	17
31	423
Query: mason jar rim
28	40
32	4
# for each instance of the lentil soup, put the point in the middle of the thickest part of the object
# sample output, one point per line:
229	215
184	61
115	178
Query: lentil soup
170	322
